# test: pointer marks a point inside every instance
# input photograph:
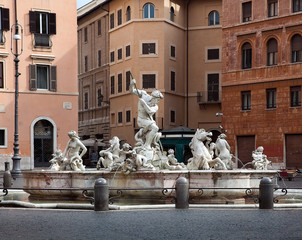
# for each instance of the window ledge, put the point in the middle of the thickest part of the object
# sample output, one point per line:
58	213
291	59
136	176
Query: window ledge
40	56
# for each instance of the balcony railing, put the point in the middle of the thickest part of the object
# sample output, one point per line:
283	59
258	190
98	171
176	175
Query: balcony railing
42	40
209	97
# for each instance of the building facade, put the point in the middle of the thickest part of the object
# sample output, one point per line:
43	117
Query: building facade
262	77
173	46
48	89
93	65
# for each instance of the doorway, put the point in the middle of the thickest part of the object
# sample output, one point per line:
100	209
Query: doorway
43	143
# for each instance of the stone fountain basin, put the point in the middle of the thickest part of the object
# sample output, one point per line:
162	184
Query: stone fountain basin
39	180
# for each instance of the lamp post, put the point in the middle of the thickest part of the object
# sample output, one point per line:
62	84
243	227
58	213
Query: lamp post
17	51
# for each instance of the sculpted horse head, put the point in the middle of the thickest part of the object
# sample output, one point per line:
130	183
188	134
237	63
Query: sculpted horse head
114	145
202	135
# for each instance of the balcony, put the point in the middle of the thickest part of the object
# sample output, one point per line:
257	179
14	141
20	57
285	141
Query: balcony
209	97
42	40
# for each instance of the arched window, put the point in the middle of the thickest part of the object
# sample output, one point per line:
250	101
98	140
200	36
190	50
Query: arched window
128	13
172	14
246	55
213	18
272	52
296	45
148	10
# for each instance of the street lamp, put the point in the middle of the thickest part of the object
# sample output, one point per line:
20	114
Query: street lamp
17	51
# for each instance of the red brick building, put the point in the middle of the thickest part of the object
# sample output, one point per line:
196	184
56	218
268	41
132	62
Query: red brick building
262	78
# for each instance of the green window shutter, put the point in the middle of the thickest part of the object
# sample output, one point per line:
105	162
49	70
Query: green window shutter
53	79
32	77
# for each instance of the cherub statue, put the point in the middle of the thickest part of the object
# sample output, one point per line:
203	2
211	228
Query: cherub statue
260	161
172	161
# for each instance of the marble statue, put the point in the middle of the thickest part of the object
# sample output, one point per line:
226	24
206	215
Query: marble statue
148	135
173	163
202	159
260	161
109	156
72	158
222	150
56	161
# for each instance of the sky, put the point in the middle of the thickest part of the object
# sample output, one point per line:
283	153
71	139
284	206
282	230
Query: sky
81	3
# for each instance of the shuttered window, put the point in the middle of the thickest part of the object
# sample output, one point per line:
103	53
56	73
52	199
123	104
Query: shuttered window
111	20
127	80
128	15
120	117
213	54
99	27
43	77
246	56
246	100
112	82
271	98
119	17
172	54
272	52
119	82
172	81
148	81
128	51
213	87
128	116
295	96
119	54
272	8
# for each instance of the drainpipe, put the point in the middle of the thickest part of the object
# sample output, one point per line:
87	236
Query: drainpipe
187	65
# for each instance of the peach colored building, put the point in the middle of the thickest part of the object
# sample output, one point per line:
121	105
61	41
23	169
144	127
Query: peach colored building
48	89
262	77
173	46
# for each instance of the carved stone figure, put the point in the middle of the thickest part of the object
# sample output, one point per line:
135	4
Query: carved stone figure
222	150
260	161
56	161
109	156
202	159
173	163
72	156
148	135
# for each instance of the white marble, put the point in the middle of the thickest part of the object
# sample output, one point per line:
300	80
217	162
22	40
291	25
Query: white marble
260	161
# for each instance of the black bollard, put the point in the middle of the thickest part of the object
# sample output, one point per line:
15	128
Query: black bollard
7	177
182	193
101	195
266	194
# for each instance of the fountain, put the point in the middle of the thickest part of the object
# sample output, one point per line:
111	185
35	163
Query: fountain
146	166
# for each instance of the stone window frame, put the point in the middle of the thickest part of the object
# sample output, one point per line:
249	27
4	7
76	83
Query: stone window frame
5	137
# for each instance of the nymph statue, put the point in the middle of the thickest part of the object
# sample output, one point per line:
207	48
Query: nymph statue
222	150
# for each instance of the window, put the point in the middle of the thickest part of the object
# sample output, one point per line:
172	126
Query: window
148	48
119	54
172	81
128	14
213	54
246	100
213	18
86	64
112	81
100	97
213	87
246	11
128	51
172	51
112	56
246	56
4	24
111	20
42	24
148	81
99	27
128	80
3	138
172	14
85	35
128	116
271	95
1	75
272	8
86	100
297	5
272	52
296	43
148	10
119	82
99	58
119	17
43	77
295	96
172	116
120	117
